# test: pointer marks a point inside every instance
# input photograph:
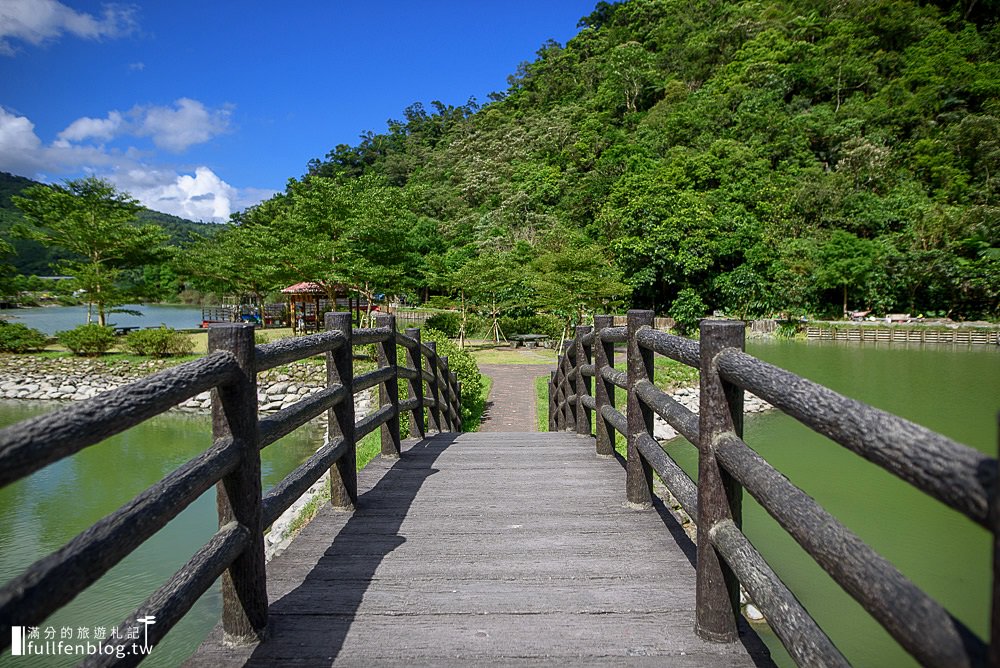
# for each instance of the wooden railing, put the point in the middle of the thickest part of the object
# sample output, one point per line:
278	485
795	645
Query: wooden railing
956	475
236	551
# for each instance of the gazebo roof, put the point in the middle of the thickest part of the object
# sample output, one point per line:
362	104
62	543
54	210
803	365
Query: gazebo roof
305	288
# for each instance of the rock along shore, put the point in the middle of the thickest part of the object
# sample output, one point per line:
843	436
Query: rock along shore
689	398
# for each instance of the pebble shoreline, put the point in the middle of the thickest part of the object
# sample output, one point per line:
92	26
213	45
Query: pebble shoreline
75	379
689	398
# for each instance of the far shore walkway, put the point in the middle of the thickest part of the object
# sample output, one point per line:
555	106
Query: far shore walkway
511	404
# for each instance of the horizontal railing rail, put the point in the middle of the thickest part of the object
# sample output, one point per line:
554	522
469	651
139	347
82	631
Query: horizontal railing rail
954	474
231	463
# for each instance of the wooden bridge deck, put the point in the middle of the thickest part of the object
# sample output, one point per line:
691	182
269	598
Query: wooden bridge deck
487	548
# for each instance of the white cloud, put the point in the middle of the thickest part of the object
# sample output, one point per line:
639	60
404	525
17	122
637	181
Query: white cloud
175	129
22	152
96	128
202	196
17	134
38	21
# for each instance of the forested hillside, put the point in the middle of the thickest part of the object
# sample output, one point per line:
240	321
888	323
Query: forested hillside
756	157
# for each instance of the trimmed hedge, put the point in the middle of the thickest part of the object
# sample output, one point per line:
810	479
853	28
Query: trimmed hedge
16	337
87	340
161	342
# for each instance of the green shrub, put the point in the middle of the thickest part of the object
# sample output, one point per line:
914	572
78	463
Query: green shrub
463	364
161	342
447	323
87	340
687	310
16	337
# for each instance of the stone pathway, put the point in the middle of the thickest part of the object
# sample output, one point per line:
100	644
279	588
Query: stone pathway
511	404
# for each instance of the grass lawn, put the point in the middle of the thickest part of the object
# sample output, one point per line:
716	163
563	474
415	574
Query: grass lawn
487	352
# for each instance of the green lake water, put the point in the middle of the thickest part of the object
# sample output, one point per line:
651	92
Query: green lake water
952	390
42	512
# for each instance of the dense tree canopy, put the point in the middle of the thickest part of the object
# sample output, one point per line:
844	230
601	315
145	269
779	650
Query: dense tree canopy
764	157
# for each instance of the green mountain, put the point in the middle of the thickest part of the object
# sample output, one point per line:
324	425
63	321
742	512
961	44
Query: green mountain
32	257
753	156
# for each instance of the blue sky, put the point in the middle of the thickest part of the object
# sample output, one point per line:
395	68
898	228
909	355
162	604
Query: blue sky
202	108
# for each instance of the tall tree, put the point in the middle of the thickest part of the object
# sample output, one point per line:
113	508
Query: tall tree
90	218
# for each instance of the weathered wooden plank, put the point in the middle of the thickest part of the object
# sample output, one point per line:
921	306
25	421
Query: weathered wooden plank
372	335
675	414
556	638
604	391
457	534
372	378
638	416
298	481
340	419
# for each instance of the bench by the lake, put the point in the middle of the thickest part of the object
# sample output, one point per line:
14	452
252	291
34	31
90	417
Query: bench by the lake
528	340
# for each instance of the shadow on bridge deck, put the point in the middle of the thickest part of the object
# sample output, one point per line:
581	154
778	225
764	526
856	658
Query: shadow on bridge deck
487	548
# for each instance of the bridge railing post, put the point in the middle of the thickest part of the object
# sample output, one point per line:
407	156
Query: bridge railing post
639	417
552	400
340	418
446	397
434	415
994	519
238	495
388	392
571	376
582	382
604	391
557	417
719	495
568	417
415	386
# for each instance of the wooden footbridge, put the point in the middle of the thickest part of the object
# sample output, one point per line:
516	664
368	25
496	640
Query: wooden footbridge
499	548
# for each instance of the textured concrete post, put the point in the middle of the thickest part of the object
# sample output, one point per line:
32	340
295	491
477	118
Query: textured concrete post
449	422
719	496
238	495
434	416
639	474
415	388
604	391
552	401
582	381
340	370
388	392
